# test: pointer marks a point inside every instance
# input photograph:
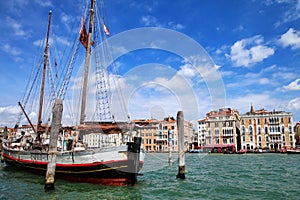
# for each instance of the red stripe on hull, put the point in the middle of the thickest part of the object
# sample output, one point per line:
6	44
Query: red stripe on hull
104	173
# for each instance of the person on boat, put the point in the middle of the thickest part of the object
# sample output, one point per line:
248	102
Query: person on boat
70	144
23	142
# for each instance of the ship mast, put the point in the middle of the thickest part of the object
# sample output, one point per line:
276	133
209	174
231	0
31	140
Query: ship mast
42	90
87	62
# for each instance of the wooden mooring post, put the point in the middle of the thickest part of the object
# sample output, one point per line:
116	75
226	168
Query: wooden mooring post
181	153
55	127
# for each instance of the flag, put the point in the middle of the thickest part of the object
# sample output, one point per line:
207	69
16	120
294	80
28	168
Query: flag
106	31
83	35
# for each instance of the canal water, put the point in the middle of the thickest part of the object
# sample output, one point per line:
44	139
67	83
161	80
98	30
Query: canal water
208	176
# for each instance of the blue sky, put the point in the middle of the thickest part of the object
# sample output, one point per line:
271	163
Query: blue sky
254	45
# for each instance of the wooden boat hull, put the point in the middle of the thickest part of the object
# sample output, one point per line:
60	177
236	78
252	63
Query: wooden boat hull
116	172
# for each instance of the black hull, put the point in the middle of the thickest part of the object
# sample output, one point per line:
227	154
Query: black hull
293	152
106	173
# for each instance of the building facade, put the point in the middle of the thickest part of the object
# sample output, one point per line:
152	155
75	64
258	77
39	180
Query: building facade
262	129
220	127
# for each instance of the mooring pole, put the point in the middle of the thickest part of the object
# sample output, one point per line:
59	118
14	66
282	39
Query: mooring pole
181	155
55	127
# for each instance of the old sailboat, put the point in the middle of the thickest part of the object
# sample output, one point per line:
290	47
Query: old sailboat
111	165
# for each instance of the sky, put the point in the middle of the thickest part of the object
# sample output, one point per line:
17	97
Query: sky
193	55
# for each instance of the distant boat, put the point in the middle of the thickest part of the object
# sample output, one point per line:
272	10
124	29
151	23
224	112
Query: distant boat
293	151
113	165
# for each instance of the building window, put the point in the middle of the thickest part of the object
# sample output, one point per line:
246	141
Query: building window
243	130
251	130
249	121
289	120
282	120
266	130
251	139
244	139
242	122
258	121
224	124
216	124
259	130
290	129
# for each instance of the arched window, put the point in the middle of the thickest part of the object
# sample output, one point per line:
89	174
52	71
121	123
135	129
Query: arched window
243	130
251	130
259	130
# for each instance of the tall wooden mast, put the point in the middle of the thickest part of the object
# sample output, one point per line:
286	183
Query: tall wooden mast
42	91
87	62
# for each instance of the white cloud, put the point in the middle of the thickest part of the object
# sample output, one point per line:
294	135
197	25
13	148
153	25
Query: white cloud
45	3
175	26
264	81
149	20
11	50
187	71
294	104
247	52
17	27
8	115
259	101
295	85
292	13
290	38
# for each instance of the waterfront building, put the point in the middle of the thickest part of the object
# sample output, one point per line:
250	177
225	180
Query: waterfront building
155	134
147	129
262	129
166	126
201	133
221	127
96	140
